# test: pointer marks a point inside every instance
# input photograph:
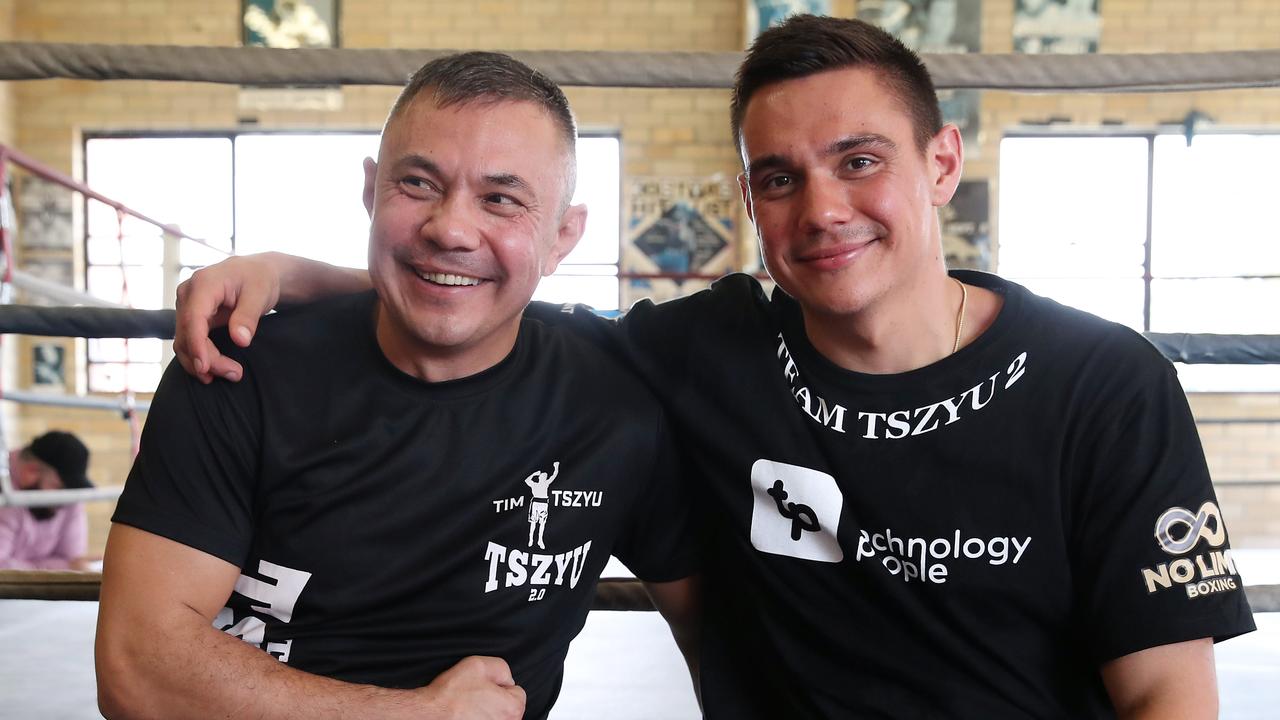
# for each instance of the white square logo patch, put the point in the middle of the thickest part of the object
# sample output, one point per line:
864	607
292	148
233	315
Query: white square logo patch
796	512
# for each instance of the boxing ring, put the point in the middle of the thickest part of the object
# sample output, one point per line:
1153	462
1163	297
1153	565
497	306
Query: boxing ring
85	316
82	316
96	318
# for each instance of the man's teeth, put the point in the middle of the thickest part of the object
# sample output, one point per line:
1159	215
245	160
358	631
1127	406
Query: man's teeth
444	279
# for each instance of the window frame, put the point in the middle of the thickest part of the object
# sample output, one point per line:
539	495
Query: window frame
1149	135
231	136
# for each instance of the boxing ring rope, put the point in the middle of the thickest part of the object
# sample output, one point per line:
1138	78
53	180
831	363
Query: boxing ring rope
52	498
615	594
95	322
619	594
1153	72
40	170
106	319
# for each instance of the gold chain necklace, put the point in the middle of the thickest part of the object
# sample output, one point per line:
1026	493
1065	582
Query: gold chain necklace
964	299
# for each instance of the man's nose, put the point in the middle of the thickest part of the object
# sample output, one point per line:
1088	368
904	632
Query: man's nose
453	224
825	203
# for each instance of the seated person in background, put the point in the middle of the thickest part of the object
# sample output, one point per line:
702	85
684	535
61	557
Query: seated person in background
53	537
345	534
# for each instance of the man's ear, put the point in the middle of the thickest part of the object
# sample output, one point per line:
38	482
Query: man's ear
572	224
945	155
370	178
744	187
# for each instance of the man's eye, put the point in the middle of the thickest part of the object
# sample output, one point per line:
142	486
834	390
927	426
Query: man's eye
859	163
418	183
500	199
777	181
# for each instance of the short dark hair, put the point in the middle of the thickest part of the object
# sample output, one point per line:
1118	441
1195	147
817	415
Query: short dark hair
479	76
806	45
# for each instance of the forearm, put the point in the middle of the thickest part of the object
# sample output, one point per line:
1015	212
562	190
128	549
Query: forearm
680	604
1169	682
303	280
191	670
1173	703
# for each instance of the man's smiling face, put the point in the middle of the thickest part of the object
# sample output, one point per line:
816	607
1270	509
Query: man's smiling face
842	197
467	212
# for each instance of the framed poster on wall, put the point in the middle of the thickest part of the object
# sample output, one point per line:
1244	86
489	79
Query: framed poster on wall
966	227
937	26
1056	26
928	26
677	225
764	14
290	23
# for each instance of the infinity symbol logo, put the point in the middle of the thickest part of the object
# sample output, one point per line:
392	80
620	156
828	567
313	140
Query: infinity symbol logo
1197	526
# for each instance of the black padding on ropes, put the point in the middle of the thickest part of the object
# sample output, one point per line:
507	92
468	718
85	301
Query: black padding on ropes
87	322
1208	349
94	322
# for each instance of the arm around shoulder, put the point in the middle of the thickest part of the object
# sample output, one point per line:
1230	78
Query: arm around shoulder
237	292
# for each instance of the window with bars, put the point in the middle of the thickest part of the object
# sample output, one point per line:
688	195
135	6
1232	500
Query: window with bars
1151	232
298	193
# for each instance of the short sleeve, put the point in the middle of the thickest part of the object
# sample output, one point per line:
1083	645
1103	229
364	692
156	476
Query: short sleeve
660	543
193	480
1150	550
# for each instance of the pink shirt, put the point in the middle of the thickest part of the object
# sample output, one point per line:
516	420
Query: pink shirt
30	544
27	543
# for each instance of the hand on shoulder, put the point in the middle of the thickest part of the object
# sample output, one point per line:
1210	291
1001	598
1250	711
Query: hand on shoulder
236	293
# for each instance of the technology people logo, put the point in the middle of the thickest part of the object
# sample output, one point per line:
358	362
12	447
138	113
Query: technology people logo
796	512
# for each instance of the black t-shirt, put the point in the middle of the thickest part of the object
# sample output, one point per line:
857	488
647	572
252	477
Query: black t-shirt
969	539
387	527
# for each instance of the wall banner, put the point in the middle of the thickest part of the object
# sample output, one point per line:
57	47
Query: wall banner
677	225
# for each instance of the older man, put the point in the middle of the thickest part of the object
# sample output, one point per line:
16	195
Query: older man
936	494
343	535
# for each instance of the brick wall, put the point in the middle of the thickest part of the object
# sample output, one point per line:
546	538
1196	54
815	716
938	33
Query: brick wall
6	102
7	137
664	132
1245	460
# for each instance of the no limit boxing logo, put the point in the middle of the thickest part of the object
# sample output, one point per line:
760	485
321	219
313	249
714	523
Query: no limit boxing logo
1197	527
796	512
1178	531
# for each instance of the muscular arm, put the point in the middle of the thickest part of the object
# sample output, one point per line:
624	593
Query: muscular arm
237	292
158	655
1170	682
680	603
